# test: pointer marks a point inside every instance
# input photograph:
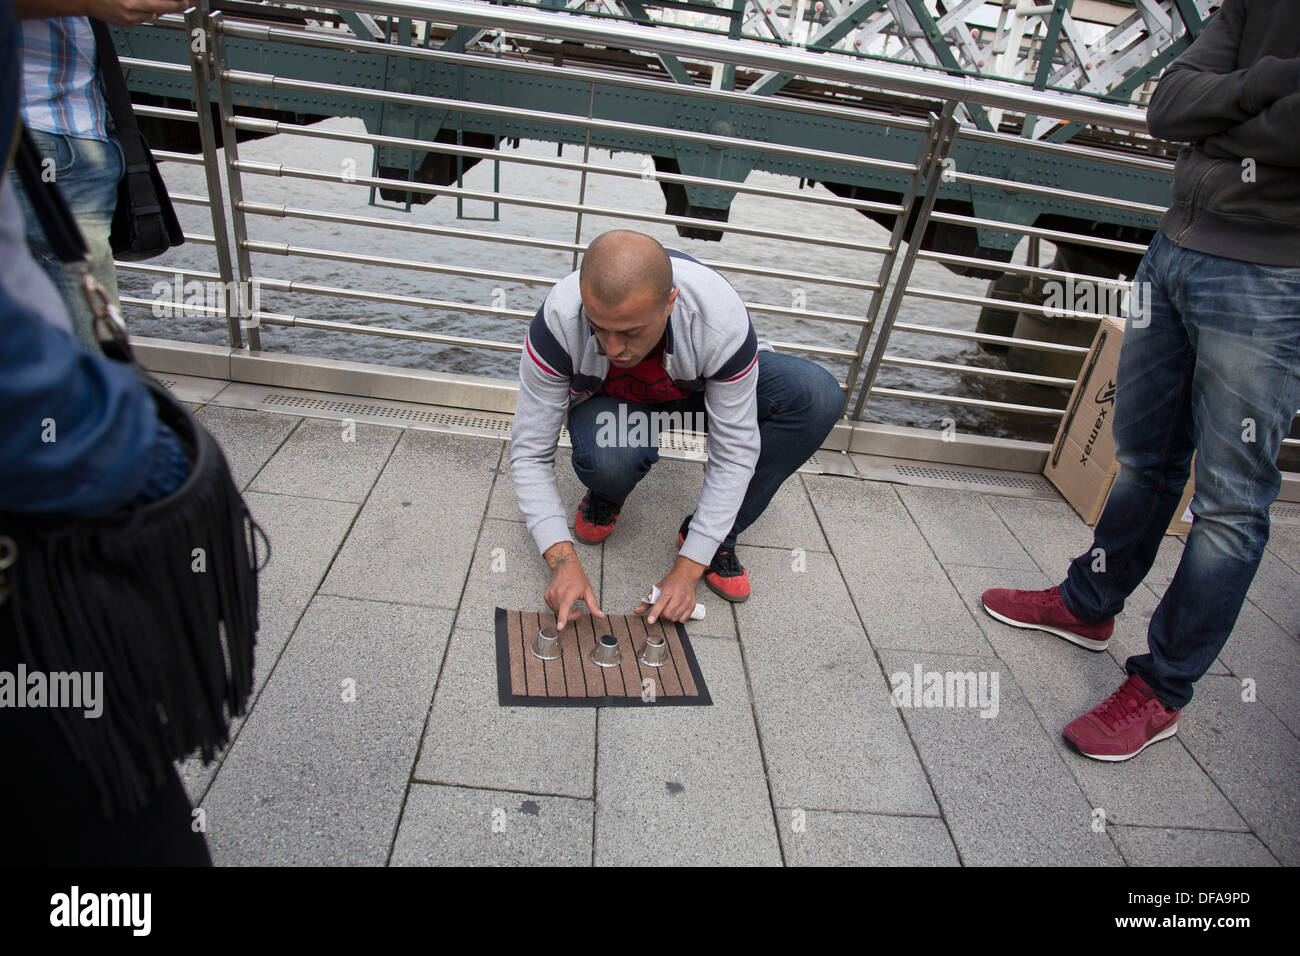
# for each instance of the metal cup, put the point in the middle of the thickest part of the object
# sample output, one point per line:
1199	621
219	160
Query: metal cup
654	654
547	645
606	652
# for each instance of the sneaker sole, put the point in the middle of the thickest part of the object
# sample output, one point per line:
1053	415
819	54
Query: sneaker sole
1119	758
724	595
585	540
1084	642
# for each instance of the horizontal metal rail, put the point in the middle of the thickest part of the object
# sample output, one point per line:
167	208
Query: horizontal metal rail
568	73
278	170
1053	235
374	139
273	82
971	402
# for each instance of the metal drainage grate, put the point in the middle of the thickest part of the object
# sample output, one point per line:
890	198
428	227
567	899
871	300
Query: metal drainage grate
1031	482
167	383
1286	513
420	415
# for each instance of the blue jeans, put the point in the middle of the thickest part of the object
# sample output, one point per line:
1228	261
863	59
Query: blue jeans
799	403
86	172
1215	372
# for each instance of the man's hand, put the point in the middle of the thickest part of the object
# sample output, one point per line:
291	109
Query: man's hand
676	592
125	13
569	583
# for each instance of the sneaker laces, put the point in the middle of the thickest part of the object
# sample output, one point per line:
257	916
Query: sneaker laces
726	564
597	510
1120	706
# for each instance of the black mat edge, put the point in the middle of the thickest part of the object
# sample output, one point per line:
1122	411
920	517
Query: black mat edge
508	699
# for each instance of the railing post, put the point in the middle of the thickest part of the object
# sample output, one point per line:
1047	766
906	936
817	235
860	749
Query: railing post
198	41
250	308
941	143
887	263
582	182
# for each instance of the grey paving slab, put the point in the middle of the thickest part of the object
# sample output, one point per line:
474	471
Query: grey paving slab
789	521
1153	847
508	572
900	590
1050	531
414	538
820	838
831	737
504	503
1165	787
249	438
321	766
963	529
304	533
1284	543
1259	650
472	741
643	547
1252	756
1004	790
685	784
328	459
1276	592
452	826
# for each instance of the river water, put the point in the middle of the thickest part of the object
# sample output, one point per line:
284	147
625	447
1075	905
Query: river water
634	194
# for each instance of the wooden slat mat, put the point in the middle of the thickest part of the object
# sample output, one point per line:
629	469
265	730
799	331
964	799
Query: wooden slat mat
575	681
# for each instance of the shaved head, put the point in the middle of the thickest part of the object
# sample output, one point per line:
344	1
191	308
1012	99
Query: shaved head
621	265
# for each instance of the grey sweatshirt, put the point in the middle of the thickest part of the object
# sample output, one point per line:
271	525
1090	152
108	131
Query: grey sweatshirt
711	347
1234	98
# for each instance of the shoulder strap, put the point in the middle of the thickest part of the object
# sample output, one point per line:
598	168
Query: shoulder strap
119	100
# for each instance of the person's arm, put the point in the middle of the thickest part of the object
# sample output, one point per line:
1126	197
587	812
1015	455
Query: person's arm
125	13
80	433
545	372
731	404
1203	93
1271	138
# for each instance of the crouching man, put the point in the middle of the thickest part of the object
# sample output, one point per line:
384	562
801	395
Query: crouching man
638	337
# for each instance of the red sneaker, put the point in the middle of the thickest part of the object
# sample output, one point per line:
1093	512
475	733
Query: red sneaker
1125	724
595	518
1045	611
725	577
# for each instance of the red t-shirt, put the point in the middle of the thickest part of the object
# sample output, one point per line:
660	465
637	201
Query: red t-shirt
645	384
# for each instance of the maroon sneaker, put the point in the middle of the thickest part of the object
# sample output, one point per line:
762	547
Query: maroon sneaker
1046	611
595	519
1125	724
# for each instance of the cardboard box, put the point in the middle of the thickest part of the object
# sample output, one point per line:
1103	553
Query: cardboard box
1082	462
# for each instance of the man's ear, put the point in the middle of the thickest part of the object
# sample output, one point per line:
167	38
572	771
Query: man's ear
672	298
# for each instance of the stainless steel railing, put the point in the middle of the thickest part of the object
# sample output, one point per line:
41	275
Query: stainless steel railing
886	283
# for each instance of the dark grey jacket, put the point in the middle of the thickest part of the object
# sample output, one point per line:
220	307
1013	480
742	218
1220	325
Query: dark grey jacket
1234	98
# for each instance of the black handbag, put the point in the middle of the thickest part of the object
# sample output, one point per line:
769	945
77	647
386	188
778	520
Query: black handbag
161	599
144	223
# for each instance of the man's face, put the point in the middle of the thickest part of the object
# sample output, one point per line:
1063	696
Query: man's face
628	332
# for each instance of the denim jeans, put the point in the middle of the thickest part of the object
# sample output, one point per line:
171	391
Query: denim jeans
1213	371
798	404
86	172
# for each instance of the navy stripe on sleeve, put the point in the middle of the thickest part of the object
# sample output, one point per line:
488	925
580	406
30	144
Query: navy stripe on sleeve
545	349
741	361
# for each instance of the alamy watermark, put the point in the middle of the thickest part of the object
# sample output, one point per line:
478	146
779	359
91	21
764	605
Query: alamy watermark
73	690
178	298
639	429
922	688
1098	298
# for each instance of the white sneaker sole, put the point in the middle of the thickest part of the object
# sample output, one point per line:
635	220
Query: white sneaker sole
1118	758
1084	642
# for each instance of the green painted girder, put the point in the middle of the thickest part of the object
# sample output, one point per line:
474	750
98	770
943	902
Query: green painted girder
664	107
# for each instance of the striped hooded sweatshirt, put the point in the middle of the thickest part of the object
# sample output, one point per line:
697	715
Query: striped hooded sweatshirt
710	347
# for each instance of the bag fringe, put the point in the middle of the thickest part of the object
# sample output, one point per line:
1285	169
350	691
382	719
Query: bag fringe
171	628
